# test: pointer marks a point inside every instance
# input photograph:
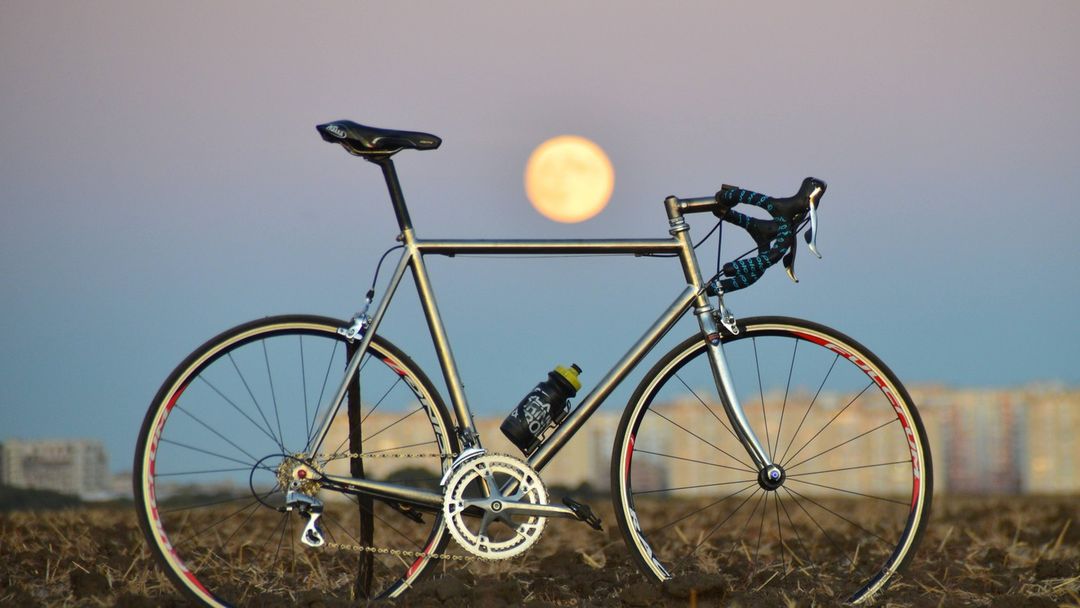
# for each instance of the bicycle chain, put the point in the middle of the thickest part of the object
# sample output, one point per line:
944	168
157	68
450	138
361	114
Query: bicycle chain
384	550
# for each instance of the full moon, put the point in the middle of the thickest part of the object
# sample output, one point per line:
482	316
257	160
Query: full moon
569	179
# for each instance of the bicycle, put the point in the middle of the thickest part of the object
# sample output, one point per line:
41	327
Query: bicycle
237	500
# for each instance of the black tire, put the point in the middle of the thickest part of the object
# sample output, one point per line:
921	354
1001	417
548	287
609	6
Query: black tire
687	496
205	469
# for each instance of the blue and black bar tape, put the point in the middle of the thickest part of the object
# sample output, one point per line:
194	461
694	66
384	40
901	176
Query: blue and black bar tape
735	195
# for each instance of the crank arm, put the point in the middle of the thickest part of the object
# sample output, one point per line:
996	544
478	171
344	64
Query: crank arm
526	509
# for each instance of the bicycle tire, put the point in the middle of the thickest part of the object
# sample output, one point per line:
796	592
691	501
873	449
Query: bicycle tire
201	436
871	492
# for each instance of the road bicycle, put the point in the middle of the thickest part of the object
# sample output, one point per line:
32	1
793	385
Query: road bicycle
298	454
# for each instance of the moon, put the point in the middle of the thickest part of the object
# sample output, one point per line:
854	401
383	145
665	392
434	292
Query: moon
569	179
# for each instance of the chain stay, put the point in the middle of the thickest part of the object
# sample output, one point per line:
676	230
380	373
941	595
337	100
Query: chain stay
384	550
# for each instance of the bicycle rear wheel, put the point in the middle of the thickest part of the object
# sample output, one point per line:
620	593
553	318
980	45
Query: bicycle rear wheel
857	479
249	402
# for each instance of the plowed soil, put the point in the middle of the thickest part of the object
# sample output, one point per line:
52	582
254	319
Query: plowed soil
976	552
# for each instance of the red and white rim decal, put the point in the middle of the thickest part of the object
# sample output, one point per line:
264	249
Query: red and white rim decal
394	366
909	431
420	560
152	491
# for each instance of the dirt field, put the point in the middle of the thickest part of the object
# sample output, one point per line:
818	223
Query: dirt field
977	552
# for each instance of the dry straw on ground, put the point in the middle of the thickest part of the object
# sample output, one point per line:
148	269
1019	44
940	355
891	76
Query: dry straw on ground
977	552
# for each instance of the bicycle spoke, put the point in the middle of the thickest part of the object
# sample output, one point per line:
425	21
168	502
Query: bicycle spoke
703	404
254	509
704	485
880	426
209	453
812	402
695	512
761	394
819	505
372	436
402	447
352	433
303	388
202	472
719	449
322	392
285	522
212	430
254	502
865	466
783	406
292	543
798	537
711	464
761	528
381	399
719	525
281	524
839	551
746	525
835	416
204	505
242	413
273	394
779	529
820	485
372	512
244	381
343	529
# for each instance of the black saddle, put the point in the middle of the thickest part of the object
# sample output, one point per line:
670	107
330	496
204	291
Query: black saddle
373	143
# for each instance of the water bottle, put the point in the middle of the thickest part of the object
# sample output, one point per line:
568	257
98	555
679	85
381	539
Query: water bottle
545	406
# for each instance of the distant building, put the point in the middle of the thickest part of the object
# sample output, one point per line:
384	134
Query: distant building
69	466
1003	441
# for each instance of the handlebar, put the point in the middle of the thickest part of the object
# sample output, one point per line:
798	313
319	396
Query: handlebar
774	238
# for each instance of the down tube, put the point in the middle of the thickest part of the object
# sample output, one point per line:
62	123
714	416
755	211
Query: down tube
617	374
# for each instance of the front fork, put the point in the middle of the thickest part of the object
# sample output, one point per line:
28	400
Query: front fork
707	316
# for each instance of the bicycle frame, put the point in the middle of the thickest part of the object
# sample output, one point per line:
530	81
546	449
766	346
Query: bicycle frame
412	258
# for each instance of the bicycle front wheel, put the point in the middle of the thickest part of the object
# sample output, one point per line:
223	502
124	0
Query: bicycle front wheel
856	487
236	414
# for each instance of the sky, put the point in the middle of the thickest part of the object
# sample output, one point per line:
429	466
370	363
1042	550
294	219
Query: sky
161	180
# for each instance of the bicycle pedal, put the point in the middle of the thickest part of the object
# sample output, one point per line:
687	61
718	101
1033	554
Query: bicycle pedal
584	513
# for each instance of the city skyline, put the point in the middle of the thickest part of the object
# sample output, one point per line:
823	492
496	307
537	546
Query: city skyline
983	441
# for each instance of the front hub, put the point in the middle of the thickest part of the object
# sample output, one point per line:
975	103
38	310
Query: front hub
771	477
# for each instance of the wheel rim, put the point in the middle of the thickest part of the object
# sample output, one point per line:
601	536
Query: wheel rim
851	452
218	435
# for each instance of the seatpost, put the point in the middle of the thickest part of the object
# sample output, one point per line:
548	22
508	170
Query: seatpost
396	197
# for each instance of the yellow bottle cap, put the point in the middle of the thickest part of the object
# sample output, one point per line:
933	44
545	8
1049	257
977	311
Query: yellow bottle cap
571	375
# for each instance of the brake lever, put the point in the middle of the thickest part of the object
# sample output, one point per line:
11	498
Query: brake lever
811	236
789	263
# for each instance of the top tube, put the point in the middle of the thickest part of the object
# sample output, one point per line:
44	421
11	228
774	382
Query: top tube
553	246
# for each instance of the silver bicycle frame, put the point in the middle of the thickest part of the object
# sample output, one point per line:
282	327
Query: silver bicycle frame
693	296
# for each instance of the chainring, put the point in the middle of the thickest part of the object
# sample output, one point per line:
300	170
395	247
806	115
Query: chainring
474	506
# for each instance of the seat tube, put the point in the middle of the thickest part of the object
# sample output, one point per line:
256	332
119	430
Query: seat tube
466	426
401	212
703	310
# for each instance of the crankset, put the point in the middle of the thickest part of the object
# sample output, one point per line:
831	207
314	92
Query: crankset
495	506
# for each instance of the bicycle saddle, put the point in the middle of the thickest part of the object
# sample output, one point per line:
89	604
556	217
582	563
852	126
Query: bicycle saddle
360	140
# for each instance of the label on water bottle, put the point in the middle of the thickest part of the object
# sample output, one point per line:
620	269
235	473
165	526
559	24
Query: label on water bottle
536	412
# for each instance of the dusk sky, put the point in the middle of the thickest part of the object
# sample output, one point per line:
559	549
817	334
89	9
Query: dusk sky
161	180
